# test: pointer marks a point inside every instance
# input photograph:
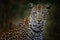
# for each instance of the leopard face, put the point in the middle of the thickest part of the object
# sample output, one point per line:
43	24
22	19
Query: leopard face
40	11
38	14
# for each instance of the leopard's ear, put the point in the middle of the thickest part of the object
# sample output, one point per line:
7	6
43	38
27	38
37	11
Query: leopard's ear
48	5
31	5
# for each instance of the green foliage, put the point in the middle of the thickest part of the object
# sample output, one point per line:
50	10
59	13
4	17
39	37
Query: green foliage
22	13
50	1
15	7
34	1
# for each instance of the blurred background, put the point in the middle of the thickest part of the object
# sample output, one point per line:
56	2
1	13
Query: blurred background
14	10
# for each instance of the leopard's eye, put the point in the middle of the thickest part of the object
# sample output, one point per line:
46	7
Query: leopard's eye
48	7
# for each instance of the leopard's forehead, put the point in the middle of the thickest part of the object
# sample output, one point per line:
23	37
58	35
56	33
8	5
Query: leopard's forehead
40	7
